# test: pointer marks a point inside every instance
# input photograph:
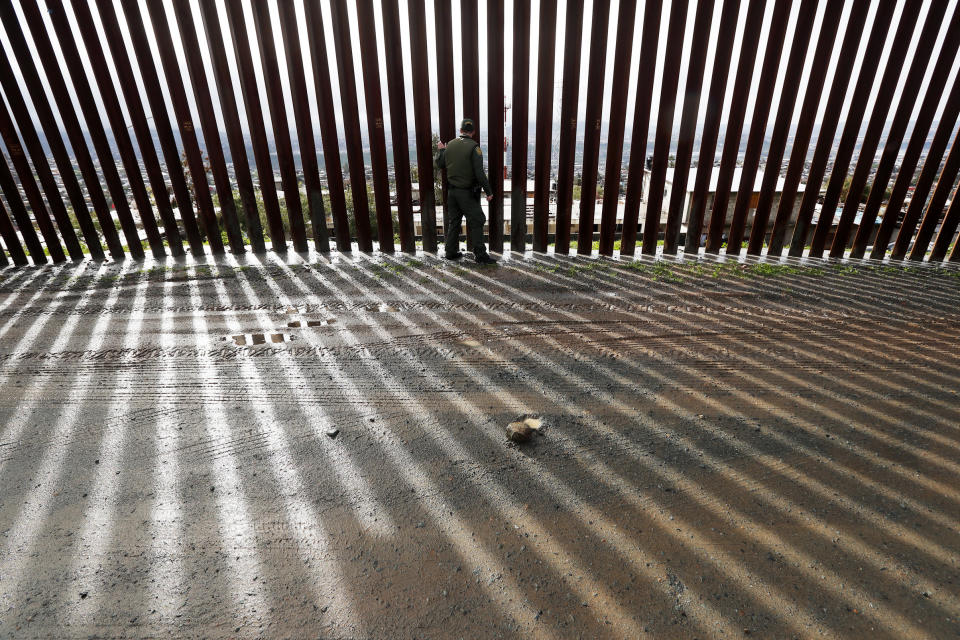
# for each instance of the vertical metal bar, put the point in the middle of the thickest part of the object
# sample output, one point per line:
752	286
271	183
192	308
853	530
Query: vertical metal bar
301	114
181	109
445	90
641	125
351	123
935	209
15	202
763	104
9	235
618	114
378	149
495	111
521	105
79	145
811	103
891	152
544	131
328	124
208	120
91	115
711	127
688	125
7	232
661	148
281	128
39	157
118	125
918	144
948	228
940	194
393	48
32	191
731	141
881	26
3	257
256	124
231	120
568	123
781	128
592	123
470	19
955	254
422	124
868	145
910	93
161	119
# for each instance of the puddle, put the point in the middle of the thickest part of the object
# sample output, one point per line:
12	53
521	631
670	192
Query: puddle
244	339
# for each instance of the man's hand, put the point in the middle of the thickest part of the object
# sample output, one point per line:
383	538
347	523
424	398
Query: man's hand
441	145
489	198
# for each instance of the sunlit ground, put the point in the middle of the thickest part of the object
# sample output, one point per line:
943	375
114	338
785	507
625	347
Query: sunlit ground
302	448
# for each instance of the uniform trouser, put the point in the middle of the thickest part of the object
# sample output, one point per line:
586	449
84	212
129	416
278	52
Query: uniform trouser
463	203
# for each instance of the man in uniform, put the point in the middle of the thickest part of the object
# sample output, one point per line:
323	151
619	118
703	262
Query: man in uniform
463	160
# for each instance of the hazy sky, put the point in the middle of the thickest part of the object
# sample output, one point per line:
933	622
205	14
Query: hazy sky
910	5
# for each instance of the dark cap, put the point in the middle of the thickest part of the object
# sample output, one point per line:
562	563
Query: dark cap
466	125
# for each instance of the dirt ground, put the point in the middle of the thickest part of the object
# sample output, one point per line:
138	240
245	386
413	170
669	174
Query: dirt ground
316	449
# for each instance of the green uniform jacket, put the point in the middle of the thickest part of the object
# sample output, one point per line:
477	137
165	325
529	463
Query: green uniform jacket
463	161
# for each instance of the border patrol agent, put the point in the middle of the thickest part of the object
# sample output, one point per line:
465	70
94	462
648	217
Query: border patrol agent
463	160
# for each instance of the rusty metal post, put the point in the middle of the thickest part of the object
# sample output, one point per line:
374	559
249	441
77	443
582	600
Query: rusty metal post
74	132
34	198
378	148
98	135
948	229
9	234
735	117
422	124
443	24
661	145
495	112
568	124
618	115
808	113
257	124
521	104
351	123
641	125
393	48
788	101
281	128
592	122
841	160
328	124
39	158
918	143
115	117
544	131
158	108
231	120
181	110
301	114
891	152
470	31
711	126
871	139
934	209
828	128
688	125
208	120
762	106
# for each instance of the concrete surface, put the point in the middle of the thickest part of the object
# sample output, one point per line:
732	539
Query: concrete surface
727	450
